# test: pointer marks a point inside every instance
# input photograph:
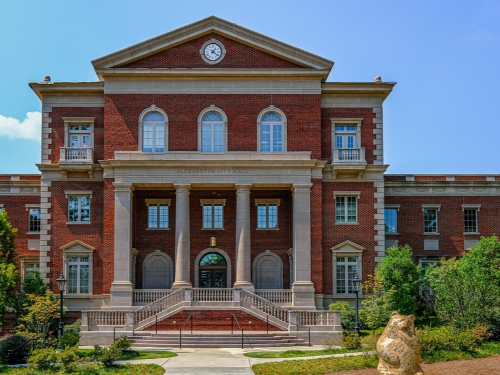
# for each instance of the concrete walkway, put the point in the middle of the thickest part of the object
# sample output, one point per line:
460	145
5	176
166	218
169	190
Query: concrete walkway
221	361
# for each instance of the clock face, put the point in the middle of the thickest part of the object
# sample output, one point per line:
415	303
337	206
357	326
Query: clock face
213	52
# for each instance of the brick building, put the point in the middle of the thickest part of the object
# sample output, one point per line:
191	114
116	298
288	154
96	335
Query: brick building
216	157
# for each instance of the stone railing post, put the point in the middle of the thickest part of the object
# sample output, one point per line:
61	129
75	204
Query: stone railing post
237	295
85	321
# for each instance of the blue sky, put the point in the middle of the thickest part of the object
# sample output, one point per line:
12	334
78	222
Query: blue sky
442	117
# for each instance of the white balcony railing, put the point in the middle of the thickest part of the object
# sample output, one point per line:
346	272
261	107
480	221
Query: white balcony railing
348	155
282	297
75	154
212	295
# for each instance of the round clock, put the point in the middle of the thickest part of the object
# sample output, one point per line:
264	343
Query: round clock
212	51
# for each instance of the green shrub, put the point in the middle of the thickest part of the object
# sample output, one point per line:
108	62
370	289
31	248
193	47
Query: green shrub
347	315
13	342
43	359
68	340
69	359
108	355
123	343
351	340
448	338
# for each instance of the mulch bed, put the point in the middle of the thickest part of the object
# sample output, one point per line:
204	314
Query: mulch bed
482	366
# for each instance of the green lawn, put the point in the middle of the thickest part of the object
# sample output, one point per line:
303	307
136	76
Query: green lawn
298	353
133	354
91	370
321	366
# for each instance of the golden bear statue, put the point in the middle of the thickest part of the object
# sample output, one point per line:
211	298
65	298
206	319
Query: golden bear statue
398	348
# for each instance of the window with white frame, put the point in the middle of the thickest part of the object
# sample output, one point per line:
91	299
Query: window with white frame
158	213
212	133
347	268
271	133
153	132
78	274
31	269
213	213
34	220
346	207
79	133
431	218
346	139
471	218
78	206
267	213
347	262
391	219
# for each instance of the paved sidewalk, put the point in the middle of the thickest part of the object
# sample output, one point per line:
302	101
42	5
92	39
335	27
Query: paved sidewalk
222	361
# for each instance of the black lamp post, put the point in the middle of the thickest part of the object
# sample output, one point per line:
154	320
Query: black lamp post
61	285
356	283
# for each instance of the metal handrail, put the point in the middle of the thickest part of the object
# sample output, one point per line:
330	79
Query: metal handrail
302	326
190	316
233	318
11	351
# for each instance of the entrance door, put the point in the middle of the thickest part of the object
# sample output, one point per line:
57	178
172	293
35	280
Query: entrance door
213	270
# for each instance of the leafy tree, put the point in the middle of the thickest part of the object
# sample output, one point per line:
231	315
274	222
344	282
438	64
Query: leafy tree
32	284
399	274
378	304
7	236
467	291
38	318
347	315
8	279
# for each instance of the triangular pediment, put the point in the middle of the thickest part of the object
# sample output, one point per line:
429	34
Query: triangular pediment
182	44
347	246
77	245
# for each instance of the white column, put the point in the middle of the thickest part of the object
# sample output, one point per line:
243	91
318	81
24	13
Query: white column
121	287
303	288
243	255
182	238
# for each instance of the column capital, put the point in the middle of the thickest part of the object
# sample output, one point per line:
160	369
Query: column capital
182	189
123	187
243	189
302	188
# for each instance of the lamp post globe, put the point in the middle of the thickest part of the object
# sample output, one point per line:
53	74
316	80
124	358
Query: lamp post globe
61	285
356	284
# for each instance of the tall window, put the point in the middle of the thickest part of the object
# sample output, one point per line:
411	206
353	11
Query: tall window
391	220
153	133
271	137
213	216
79	208
34	220
78	274
212	133
157	216
267	216
345	272
32	269
79	136
470	221
346	210
430	220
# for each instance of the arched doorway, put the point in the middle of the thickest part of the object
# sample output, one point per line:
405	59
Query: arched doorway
213	270
157	271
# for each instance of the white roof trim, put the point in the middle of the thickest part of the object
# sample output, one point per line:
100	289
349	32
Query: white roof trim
203	27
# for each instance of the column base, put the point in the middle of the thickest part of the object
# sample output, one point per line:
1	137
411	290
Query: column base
318	301
121	294
244	285
181	284
303	295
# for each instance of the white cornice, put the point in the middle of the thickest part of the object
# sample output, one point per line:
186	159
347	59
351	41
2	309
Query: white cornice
62	88
357	89
206	26
442	188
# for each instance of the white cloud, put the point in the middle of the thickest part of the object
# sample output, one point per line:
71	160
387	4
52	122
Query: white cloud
29	128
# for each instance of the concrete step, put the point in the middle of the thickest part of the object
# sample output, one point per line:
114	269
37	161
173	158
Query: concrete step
202	345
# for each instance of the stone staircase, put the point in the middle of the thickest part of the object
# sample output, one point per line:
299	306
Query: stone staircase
214	340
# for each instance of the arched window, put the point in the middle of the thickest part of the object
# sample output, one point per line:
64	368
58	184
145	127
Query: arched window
271	130
153	133
212	133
